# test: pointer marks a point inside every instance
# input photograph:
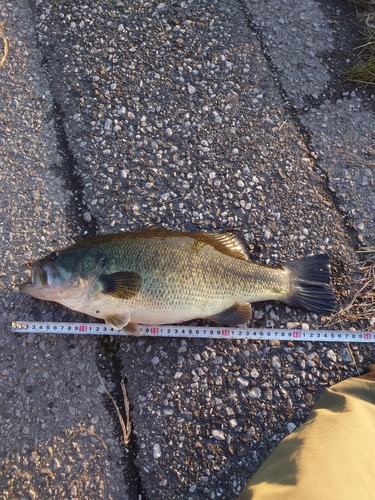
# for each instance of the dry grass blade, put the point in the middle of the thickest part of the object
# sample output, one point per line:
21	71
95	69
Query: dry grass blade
370	20
353	358
362	305
127	410
367	159
125	426
364	71
83	430
6	45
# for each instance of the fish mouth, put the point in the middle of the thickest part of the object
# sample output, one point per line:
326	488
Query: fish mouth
41	277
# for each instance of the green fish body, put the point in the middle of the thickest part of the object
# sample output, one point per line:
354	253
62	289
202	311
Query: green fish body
156	276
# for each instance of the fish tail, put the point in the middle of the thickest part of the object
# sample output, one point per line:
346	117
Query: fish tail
309	285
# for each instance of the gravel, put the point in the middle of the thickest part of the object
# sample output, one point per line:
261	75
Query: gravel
213	433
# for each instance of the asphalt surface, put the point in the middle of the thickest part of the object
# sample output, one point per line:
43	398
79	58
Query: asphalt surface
220	116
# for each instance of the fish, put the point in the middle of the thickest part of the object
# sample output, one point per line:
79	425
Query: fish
156	276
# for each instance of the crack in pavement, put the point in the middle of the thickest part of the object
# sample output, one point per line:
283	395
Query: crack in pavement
106	365
86	226
81	224
111	367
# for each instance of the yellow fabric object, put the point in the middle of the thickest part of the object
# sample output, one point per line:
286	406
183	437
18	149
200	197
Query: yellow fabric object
330	457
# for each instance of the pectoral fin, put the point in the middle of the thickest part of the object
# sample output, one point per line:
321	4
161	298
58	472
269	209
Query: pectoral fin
238	314
117	321
122	285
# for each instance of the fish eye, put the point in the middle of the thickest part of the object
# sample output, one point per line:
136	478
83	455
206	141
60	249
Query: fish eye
53	256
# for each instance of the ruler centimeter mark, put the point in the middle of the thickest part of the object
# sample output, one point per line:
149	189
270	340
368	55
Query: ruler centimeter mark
294	334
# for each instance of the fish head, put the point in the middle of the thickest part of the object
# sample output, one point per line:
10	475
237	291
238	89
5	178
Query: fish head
61	275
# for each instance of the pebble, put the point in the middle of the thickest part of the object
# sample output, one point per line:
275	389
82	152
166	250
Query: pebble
233	422
242	382
331	355
35	195
56	464
291	427
276	363
292	324
274	316
155	360
255	393
156	451
218	434
258	314
267	234
108	124
346	356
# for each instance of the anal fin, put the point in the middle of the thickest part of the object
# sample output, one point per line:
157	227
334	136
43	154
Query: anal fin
122	322
238	314
133	329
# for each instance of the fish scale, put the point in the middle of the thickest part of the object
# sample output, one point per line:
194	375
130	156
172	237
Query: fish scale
156	276
197	280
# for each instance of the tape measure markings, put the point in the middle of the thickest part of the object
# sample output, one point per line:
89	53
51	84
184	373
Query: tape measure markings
293	334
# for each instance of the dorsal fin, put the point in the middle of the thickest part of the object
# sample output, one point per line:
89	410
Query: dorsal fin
227	243
231	242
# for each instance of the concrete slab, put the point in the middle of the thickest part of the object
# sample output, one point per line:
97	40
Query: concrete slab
56	435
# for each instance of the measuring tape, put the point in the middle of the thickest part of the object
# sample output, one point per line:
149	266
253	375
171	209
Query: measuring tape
200	332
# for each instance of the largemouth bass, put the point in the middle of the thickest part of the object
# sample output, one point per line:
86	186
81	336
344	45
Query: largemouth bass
157	276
